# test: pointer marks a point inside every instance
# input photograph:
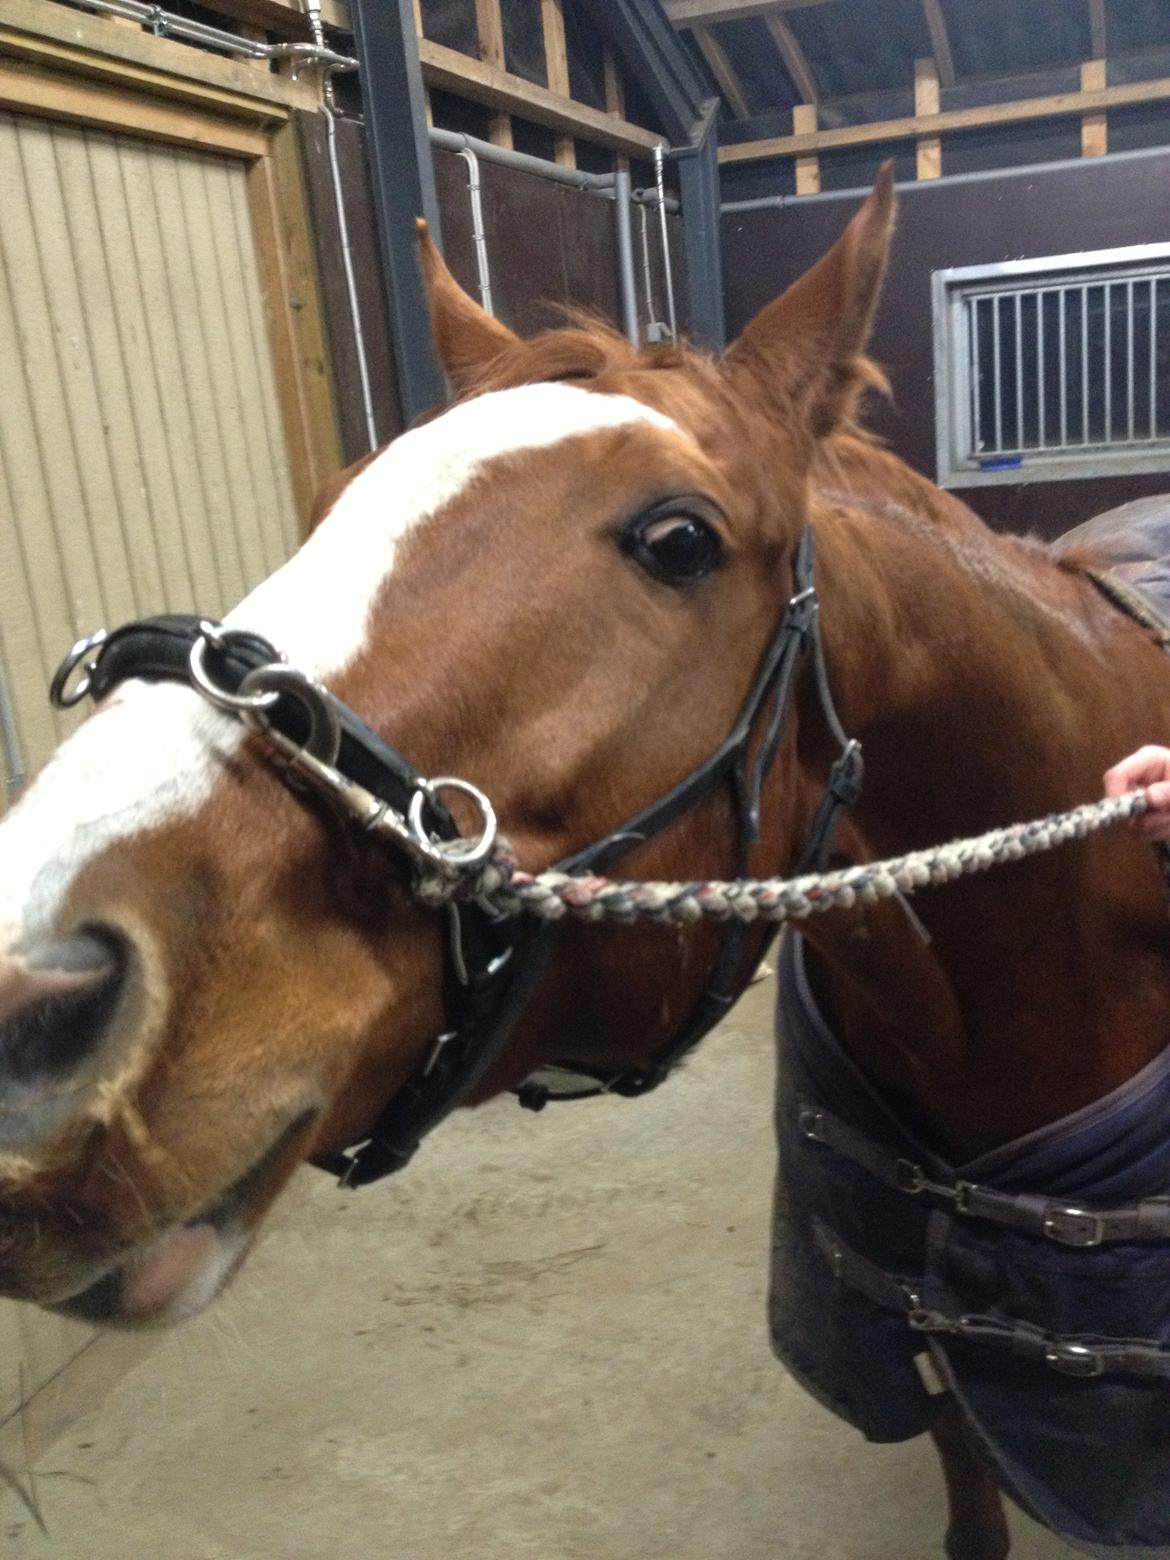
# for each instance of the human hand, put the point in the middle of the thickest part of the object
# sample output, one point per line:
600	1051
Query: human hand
1149	767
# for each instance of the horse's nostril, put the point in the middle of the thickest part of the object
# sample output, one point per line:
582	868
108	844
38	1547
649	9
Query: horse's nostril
56	1003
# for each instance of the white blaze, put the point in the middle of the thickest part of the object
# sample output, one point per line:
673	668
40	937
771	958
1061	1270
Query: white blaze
152	755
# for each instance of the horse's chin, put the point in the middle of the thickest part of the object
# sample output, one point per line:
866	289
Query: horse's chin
173	1274
166	1281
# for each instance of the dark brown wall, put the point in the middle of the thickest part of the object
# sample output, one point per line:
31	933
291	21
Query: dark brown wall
547	245
1097	204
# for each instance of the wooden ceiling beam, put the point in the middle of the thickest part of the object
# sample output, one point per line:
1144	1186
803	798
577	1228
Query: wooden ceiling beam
1060	103
284	17
1097	27
452	71
940	43
724	72
556	64
795	60
709	13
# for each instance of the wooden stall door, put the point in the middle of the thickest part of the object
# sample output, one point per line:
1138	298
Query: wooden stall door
143	461
143	468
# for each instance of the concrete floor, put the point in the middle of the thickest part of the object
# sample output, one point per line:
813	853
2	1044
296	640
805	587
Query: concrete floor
545	1342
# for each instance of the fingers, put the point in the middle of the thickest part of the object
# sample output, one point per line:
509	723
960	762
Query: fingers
1149	766
1154	823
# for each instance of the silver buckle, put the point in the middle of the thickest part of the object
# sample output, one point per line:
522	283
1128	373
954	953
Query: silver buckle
1074	1359
1074	1227
809	1123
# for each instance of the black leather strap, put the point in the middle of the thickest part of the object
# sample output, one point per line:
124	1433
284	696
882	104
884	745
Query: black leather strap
158	649
1059	1220
797	639
1083	1357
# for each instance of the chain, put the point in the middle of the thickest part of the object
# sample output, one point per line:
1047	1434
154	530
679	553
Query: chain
553	895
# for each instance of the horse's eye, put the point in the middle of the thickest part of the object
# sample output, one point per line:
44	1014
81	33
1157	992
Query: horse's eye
676	549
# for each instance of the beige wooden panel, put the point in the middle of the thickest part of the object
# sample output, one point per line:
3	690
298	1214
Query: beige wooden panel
143	465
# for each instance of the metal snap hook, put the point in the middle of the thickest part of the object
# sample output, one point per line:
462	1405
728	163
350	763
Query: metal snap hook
60	695
464	852
324	739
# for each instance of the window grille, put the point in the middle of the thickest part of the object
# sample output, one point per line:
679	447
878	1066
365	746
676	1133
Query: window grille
1053	368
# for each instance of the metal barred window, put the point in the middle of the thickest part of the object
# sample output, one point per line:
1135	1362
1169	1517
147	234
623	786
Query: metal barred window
1053	368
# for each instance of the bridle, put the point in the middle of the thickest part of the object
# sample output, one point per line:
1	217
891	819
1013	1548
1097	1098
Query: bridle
494	960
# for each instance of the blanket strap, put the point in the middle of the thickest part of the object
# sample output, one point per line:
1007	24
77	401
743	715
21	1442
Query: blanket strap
1083	1355
1047	1218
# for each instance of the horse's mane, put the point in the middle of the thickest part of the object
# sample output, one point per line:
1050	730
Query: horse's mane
588	347
585	347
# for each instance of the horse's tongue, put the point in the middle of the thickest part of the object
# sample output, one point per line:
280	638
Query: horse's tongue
158	1275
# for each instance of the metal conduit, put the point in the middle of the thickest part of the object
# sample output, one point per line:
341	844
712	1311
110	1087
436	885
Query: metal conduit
659	179
612	185
478	235
15	776
625	248
456	141
166	24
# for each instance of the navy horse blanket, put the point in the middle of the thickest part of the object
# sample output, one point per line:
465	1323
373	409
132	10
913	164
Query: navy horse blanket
1032	1283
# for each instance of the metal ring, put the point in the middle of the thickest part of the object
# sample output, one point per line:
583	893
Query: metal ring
324	739
216	636
461	853
65	699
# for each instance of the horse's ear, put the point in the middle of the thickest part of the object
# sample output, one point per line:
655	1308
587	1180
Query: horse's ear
466	336
806	347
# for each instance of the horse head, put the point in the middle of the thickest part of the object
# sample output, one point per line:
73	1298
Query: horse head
560	588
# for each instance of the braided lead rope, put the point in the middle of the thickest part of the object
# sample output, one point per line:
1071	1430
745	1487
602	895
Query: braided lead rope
554	895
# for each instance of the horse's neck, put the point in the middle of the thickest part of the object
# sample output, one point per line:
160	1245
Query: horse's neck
988	686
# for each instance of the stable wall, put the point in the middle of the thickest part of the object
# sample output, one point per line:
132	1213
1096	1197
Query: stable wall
548	245
1094	203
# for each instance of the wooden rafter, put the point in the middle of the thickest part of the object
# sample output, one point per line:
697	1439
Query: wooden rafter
724	72
284	17
615	93
1059	104
1097	27
940	42
708	13
926	101
808	169
452	71
489	26
795	60
1094	127
556	64
62	39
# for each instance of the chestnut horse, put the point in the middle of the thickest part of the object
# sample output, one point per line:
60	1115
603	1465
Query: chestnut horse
562	588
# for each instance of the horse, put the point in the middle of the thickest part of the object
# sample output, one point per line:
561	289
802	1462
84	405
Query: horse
565	589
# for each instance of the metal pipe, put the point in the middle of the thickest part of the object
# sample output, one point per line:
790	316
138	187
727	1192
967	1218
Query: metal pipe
625	251
925	186
651	198
659	180
478	236
651	322
165	24
10	741
313	14
457	141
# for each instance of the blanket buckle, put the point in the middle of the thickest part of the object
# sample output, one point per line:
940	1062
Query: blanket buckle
1074	1359
1069	1226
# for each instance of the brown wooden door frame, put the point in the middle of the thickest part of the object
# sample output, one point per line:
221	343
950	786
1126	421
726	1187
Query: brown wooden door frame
61	65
